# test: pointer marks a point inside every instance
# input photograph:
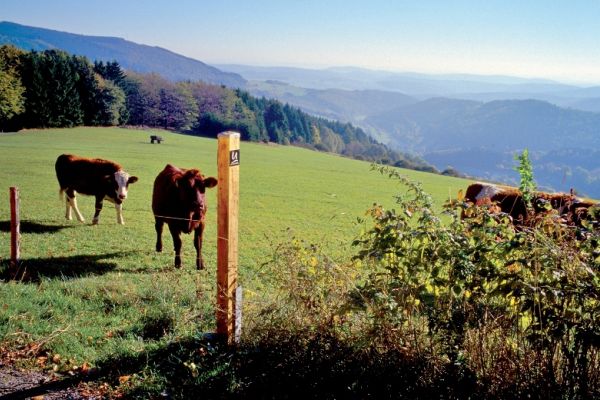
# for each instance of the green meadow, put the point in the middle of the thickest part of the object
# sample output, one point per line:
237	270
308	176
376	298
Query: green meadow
92	292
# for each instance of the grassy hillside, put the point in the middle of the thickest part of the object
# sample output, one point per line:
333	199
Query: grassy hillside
98	291
315	195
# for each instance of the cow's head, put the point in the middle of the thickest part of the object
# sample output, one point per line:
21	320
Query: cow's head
192	186
118	185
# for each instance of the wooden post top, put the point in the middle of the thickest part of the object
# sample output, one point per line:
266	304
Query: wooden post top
230	134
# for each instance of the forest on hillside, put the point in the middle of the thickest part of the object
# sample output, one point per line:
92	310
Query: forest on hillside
54	89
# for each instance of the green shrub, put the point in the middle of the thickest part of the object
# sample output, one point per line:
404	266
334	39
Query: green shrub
475	293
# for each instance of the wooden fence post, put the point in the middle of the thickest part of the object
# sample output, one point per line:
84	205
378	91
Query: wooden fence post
15	228
228	161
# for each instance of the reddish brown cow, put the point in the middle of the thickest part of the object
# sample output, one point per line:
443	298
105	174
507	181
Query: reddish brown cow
510	201
95	177
179	200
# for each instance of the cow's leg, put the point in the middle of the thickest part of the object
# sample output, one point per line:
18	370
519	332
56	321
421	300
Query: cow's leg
198	234
175	233
68	209
119	208
158	225
96	218
73	203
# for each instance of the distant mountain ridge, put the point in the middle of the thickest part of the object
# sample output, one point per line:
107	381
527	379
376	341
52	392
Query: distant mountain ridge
410	83
442	123
481	138
423	86
352	106
130	55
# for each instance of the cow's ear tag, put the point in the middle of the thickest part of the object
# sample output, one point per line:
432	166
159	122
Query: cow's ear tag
176	183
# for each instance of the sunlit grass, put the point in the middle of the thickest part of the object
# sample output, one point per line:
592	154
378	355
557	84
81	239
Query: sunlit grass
95	286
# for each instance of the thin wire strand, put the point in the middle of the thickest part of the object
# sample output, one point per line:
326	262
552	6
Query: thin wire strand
176	218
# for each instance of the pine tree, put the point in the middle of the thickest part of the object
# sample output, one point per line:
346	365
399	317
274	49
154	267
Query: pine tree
52	98
276	122
88	90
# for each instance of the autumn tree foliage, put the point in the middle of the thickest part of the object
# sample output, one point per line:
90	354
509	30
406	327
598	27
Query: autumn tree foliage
54	89
12	100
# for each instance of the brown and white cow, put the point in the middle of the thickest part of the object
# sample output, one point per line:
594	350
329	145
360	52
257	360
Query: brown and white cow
179	200
96	177
509	200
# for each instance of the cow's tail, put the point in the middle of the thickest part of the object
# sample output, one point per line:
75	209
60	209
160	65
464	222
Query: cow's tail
61	194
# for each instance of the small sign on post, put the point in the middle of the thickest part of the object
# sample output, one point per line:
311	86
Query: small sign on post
234	157
15	228
228	161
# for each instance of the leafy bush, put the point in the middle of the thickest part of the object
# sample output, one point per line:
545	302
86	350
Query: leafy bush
477	306
484	296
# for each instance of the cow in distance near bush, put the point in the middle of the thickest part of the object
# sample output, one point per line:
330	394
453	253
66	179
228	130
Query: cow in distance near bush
509	200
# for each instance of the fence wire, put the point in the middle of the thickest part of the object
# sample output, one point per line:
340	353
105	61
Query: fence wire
249	278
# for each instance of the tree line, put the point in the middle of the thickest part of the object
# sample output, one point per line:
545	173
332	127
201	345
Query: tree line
52	88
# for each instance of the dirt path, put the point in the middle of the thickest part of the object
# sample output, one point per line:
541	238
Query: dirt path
19	384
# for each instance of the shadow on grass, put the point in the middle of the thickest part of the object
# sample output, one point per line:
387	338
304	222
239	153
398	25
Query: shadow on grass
34	269
33	227
320	368
290	366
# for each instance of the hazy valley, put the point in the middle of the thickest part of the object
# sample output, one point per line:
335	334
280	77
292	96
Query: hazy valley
473	123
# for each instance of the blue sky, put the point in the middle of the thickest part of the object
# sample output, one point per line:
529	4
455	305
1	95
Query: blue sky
547	39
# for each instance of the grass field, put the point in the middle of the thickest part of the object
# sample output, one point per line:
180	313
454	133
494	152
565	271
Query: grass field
98	291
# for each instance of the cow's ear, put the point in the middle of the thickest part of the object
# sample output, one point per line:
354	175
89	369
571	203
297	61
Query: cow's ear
107	178
132	179
210	182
